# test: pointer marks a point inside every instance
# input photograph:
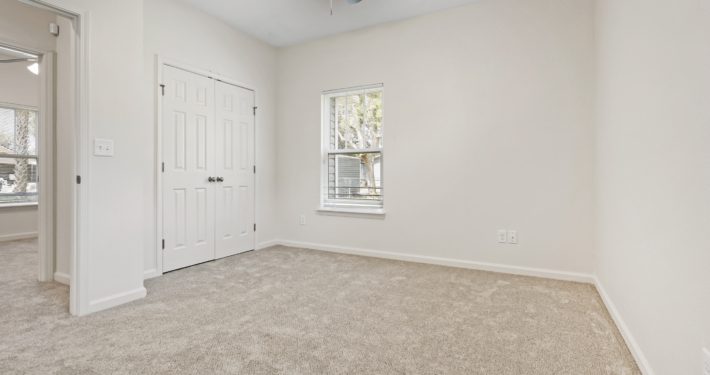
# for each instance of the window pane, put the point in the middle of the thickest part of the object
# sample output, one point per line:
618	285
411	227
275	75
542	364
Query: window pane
355	176
7	131
18	131
357	120
18	180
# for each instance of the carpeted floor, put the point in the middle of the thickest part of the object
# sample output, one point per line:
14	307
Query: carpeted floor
295	311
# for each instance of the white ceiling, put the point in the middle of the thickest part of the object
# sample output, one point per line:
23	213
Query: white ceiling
287	22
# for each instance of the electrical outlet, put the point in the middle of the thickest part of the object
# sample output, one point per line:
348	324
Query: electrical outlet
706	361
302	220
502	236
513	237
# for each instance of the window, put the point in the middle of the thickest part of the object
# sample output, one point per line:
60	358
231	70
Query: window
18	155
352	171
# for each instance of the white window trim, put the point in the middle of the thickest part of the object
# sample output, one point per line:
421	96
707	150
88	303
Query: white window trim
356	207
16	107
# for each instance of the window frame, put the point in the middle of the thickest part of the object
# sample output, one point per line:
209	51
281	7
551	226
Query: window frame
15	107
363	206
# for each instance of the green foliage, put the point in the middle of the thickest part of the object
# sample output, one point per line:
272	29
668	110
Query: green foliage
359	120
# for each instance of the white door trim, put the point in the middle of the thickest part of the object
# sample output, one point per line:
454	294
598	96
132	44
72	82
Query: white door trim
79	257
160	62
47	240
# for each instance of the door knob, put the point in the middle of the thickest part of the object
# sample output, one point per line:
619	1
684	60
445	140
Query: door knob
210	179
220	179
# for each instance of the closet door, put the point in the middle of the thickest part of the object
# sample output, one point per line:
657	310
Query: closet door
235	170
188	138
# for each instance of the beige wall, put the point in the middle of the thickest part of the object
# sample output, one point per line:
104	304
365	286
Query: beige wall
179	33
488	125
654	175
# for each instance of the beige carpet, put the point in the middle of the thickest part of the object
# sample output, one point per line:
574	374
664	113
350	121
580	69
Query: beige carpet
295	311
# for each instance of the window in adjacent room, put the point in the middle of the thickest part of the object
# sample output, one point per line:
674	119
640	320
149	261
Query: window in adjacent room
18	155
353	152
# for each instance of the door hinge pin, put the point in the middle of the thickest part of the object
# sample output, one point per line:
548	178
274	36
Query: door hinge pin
78	179
162	89
255	110
255	169
163	243
162	167
254	227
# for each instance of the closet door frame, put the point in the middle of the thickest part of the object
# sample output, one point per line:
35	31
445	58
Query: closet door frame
160	63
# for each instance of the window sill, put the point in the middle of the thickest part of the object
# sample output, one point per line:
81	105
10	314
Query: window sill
14	205
352	211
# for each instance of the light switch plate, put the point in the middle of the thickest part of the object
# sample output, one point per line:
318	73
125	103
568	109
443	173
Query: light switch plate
103	147
513	236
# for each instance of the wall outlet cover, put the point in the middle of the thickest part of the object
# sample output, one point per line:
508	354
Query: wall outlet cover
502	236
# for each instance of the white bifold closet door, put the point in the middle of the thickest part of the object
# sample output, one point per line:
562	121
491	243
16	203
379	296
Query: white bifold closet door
208	170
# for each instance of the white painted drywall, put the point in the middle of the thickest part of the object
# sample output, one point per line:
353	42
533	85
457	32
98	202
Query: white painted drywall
180	33
19	86
25	26
488	125
18	222
654	174
116	111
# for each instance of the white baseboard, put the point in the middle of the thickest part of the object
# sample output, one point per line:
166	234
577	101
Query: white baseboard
18	236
151	273
61	278
631	343
116	299
481	266
267	244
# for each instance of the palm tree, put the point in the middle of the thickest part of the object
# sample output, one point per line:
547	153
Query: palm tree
22	137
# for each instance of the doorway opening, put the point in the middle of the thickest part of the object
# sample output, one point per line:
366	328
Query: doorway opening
39	141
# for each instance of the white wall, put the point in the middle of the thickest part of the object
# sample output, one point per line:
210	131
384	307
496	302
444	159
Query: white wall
654	174
488	125
25	26
178	32
116	200
19	85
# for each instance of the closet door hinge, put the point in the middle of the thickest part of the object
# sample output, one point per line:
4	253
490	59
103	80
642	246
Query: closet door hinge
163	243
255	169
255	110
254	227
162	89
162	167
78	180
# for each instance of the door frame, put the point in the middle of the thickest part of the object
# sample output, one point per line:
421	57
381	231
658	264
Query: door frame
160	63
79	217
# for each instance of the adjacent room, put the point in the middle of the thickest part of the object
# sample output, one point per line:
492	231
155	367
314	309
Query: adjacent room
354	187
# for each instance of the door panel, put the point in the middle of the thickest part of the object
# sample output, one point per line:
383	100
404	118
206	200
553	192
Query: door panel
188	198
235	164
